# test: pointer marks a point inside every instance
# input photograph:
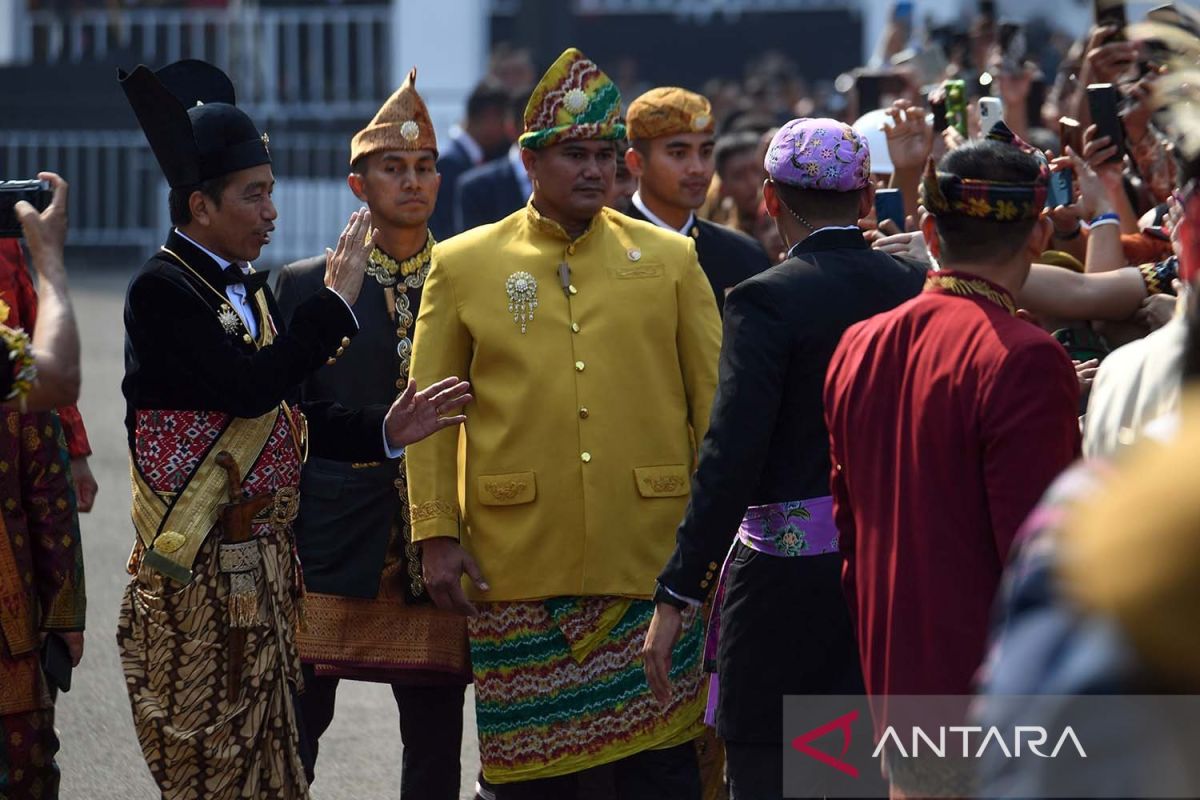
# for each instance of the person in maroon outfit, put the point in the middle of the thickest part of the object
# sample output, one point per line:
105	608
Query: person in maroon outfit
19	310
948	418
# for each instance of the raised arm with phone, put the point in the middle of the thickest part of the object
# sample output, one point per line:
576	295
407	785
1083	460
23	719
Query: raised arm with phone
55	346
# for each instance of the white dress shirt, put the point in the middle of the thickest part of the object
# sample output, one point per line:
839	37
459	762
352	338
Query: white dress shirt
652	217
236	292
241	304
524	183
474	151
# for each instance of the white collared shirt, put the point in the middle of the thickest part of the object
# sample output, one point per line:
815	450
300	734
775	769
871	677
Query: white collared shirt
241	304
652	217
524	183
236	292
474	151
791	250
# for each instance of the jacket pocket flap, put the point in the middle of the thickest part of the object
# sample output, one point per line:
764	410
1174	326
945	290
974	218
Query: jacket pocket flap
512	489
668	481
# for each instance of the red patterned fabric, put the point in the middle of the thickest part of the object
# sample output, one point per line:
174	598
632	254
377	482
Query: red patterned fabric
17	293
43	534
170	445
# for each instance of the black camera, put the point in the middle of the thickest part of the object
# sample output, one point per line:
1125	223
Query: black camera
36	193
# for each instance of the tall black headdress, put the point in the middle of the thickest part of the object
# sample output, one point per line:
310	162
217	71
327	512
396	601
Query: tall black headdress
189	114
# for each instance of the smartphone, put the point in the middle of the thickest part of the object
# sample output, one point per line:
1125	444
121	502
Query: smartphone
956	105
1111	12
991	111
1012	48
1036	99
1103	103
870	92
939	114
36	193
1070	134
1062	189
902	12
889	204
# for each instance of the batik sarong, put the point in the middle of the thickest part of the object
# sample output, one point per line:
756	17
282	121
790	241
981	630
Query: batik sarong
560	686
198	741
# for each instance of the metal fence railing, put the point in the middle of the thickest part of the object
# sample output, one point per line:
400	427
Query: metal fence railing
286	62
119	198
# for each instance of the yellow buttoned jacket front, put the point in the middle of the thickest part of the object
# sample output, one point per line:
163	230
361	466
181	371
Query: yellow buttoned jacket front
578	449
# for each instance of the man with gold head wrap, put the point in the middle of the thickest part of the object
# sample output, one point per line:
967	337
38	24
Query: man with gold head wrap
367	612
591	340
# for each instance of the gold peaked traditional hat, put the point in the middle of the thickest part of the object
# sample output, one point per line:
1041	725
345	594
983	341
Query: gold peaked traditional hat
668	111
402	123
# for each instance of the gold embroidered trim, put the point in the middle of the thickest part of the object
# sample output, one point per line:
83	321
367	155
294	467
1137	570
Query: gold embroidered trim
970	286
664	483
505	490
414	269
434	509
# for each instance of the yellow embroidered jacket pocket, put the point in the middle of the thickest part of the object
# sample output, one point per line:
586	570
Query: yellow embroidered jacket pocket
668	481
512	489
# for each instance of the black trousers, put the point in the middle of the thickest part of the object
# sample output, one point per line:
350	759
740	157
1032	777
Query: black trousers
754	771
430	731
670	774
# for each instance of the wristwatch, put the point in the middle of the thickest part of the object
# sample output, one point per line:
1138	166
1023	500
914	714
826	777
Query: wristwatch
661	595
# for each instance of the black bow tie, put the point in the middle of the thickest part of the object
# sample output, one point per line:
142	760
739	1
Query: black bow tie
253	281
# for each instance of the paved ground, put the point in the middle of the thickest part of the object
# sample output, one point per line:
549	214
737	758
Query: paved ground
100	759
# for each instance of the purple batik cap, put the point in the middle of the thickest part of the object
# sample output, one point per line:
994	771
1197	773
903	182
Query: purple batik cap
819	154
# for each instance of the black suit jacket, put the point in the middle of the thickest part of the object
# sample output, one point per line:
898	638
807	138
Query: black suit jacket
727	256
451	165
347	510
178	356
487	193
767	443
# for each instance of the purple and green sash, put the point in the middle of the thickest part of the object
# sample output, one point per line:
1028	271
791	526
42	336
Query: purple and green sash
784	530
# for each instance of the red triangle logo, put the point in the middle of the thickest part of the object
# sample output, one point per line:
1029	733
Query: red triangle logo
842	723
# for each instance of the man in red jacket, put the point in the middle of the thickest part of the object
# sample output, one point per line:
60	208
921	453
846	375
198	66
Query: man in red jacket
948	418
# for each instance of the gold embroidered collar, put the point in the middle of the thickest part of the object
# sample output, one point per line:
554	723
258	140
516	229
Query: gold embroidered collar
412	270
962	284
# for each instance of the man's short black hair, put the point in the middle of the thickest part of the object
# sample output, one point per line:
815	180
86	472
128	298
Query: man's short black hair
177	200
968	239
732	144
487	96
821	206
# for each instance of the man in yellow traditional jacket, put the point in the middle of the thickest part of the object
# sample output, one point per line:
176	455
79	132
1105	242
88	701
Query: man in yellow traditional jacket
591	340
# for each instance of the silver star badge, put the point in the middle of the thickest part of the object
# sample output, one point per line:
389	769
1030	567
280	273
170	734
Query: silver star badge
229	319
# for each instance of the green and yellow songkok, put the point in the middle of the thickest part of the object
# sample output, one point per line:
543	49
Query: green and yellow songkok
574	101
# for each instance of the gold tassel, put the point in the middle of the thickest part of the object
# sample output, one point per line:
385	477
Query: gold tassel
243	600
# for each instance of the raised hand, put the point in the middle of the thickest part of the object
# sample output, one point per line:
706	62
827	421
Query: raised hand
346	266
1106	61
46	232
909	137
416	415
